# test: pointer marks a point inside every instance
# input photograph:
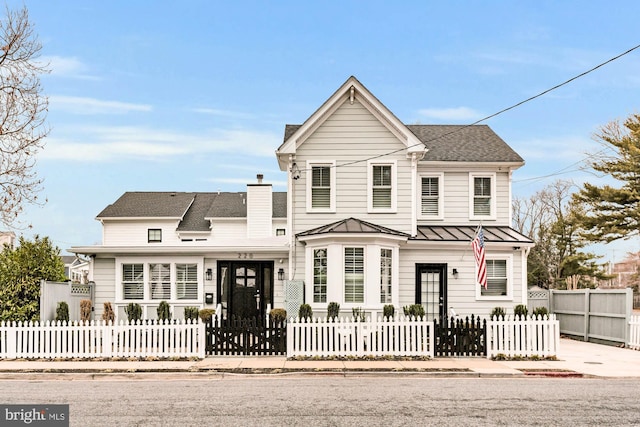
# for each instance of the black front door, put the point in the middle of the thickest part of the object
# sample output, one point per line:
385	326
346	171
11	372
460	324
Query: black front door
245	287
431	289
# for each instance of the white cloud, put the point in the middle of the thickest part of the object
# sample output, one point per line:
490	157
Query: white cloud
83	105
451	114
70	67
223	113
133	142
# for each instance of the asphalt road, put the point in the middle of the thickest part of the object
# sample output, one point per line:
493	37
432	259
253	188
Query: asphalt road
335	401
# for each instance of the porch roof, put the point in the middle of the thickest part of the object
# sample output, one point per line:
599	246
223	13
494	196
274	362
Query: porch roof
352	225
466	233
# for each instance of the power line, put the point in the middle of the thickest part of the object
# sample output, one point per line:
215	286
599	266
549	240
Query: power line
504	110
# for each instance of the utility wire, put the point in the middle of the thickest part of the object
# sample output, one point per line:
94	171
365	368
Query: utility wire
504	110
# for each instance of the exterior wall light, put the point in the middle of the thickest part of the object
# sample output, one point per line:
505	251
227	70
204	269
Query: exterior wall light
209	274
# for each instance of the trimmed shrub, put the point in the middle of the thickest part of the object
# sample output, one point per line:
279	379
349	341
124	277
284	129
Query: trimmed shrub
358	314
191	313
541	311
521	310
388	311
134	311
414	310
278	315
62	312
305	312
333	310
85	310
206	314
164	311
107	313
498	312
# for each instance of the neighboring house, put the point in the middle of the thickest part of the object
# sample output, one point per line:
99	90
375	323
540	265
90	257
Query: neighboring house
76	268
377	212
625	272
7	238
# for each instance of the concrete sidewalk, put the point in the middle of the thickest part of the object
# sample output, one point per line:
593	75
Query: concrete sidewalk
575	358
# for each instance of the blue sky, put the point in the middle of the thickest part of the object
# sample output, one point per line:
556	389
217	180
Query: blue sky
194	95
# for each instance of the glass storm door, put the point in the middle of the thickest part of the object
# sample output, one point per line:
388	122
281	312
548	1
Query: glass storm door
431	289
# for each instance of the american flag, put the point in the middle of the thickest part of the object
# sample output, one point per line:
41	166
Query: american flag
478	253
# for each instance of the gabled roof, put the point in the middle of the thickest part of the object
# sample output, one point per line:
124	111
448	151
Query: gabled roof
193	210
350	89
459	143
352	225
466	233
149	205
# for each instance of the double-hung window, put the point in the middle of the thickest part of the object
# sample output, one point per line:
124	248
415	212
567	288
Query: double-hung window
386	262
382	187
320	275
482	196
353	275
431	196
132	281
321	187
187	281
497	281
160	281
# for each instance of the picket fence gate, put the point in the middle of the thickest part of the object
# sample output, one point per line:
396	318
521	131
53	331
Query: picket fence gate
634	333
523	336
143	338
401	336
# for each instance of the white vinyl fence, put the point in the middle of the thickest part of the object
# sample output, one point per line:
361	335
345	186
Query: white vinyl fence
373	337
634	333
176	338
527	336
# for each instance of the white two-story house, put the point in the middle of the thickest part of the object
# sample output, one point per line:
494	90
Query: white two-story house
376	212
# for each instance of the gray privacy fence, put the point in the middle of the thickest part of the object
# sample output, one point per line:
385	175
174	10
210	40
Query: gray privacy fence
537	297
51	293
594	314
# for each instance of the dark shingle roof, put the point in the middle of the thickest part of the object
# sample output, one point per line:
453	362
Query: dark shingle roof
149	204
352	225
194	209
456	143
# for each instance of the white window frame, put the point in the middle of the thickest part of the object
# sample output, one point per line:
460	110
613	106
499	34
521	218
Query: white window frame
331	164
142	285
326	277
509	265
492	202
440	215
394	186
390	277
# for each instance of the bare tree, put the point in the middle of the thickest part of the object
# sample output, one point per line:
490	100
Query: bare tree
23	109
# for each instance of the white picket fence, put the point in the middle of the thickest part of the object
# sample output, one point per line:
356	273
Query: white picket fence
634	333
528	336
372	337
176	338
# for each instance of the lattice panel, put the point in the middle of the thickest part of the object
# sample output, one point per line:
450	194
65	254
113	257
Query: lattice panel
538	294
80	289
293	296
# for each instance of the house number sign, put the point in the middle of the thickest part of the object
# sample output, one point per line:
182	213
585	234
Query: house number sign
245	256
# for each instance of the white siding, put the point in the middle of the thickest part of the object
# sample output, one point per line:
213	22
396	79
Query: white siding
229	229
104	277
135	232
259	211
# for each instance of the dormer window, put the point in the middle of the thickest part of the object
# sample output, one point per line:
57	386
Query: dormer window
154	235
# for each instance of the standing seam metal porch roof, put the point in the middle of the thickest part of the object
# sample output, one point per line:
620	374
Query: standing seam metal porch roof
352	225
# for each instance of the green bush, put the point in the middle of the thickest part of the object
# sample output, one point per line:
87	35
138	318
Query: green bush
305	312
333	310
206	314
134	311
62	312
498	312
358	314
278	315
107	313
388	311
164	311
521	310
191	313
85	310
541	311
414	310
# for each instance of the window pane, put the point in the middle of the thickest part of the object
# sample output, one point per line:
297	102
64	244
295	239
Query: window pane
187	281
482	196
160	281
381	186
354	275
430	194
496	278
385	276
320	275
133	281
154	235
320	187
382	197
482	187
